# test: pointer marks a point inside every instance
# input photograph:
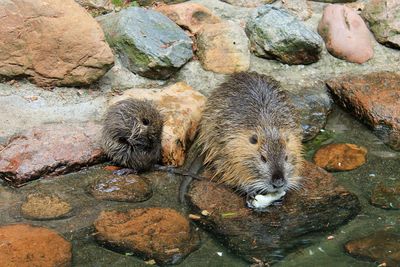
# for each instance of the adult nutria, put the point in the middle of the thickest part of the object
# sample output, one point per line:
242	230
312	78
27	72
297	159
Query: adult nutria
250	136
131	134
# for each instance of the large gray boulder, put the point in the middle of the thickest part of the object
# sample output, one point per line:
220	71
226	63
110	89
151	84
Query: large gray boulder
274	33
148	43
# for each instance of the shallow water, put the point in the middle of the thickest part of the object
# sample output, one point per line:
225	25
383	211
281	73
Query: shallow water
382	163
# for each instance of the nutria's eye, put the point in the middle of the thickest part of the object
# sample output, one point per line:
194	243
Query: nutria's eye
253	139
123	140
263	159
145	122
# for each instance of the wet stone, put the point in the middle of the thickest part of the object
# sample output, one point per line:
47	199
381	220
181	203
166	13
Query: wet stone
334	1
382	17
50	150
345	34
371	102
147	42
223	48
190	16
158	234
129	188
382	247
40	206
270	236
340	157
24	245
386	194
275	33
299	8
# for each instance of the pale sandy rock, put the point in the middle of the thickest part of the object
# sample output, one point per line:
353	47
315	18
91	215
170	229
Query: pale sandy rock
52	43
223	48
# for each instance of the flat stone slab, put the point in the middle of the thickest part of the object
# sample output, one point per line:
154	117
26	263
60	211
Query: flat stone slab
158	234
373	98
50	150
24	245
269	236
129	188
340	157
382	247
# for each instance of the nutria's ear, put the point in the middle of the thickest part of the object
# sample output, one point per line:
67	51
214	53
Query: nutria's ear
253	139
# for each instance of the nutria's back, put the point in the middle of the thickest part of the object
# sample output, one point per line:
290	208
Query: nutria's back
251	136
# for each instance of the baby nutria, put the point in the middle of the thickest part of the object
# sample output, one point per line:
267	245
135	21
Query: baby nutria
131	137
131	134
250	136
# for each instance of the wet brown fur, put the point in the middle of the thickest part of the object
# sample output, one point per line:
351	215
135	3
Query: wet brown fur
249	104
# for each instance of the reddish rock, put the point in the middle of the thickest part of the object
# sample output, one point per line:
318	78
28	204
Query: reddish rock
45	207
345	34
181	107
268	236
223	48
129	188
386	194
382	17
158	234
382	247
51	149
373	98
53	43
340	157
191	16
24	245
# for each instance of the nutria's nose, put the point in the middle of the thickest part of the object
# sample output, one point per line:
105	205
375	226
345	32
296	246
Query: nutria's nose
278	180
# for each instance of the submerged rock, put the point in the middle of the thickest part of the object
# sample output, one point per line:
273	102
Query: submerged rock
181	107
190	16
274	33
147	42
382	17
223	48
345	34
382	247
271	235
50	150
40	206
129	188
158	234
340	157
386	194
52	43
24	245
373	98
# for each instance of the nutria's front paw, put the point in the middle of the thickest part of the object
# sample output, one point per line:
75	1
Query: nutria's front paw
261	202
124	171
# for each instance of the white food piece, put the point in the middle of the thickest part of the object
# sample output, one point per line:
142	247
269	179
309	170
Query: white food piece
262	201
